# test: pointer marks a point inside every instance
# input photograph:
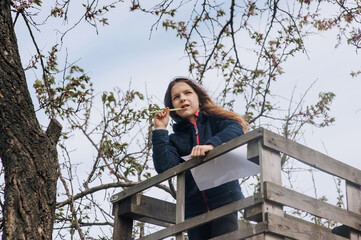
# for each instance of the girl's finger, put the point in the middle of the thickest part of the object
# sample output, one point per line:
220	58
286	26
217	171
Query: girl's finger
196	151
167	110
193	153
162	114
201	150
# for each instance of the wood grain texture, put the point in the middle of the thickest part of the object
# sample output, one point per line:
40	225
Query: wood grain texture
311	157
180	208
28	155
311	205
299	229
270	165
254	213
146	209
204	218
245	232
353	198
123	226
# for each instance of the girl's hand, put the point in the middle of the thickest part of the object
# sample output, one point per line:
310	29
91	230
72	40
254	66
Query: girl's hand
161	119
201	150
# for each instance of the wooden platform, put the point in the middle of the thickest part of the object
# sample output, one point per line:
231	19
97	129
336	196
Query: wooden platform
265	210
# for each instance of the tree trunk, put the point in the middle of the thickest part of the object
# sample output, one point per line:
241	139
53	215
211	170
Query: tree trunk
28	154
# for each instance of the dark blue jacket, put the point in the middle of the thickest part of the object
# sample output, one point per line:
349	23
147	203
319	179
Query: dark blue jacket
167	150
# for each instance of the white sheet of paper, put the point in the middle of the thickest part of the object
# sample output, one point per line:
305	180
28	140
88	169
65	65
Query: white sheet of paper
225	168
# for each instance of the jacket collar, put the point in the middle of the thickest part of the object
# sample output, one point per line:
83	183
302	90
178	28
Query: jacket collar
183	124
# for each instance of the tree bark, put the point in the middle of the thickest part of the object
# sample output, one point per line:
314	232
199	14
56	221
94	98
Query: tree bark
28	154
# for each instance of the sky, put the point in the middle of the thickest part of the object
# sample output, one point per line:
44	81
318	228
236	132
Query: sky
124	53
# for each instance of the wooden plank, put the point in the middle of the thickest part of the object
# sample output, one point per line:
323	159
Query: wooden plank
253	151
180	209
272	236
123	207
244	232
155	208
290	227
302	221
234	143
256	237
353	198
123	226
254	213
147	209
155	180
311	205
270	165
311	157
152	221
242	224
205	218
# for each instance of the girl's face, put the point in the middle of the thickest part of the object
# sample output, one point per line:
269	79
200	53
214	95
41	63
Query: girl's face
183	96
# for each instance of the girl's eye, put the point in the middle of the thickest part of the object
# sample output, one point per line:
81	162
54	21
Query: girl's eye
174	98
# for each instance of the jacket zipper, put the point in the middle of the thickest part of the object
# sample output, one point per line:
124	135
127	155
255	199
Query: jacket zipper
196	129
197	136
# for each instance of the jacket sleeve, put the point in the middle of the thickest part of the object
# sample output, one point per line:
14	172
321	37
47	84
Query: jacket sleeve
165	155
227	130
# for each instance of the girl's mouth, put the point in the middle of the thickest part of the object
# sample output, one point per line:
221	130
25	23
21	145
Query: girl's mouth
185	106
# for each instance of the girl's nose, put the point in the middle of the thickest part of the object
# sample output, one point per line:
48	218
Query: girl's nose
182	98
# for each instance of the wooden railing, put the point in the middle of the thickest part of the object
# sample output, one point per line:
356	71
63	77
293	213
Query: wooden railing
265	208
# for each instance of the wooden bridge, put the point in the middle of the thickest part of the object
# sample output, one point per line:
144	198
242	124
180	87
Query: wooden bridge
264	209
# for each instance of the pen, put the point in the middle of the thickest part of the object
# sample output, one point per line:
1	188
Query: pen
163	110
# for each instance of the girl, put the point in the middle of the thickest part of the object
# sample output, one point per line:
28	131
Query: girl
199	127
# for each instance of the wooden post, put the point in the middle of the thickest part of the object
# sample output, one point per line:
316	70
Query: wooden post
270	166
353	196
253	213
123	226
180	202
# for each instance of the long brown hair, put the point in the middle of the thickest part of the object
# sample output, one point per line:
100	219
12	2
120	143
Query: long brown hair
206	105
